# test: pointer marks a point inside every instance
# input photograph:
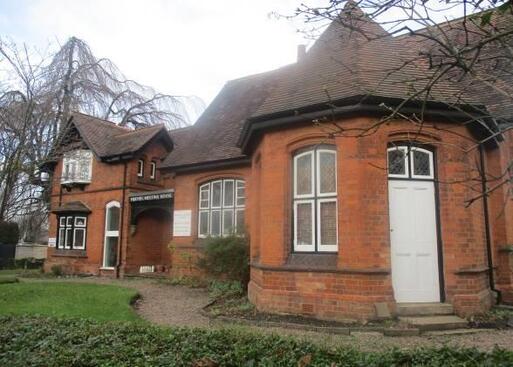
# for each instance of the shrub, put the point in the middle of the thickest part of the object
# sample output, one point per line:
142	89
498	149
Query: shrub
227	257
33	341
225	289
9	232
56	270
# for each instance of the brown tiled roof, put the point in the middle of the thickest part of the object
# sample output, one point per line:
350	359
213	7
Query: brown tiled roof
72	207
107	139
500	77
343	63
214	136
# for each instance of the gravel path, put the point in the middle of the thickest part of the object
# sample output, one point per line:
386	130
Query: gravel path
165	304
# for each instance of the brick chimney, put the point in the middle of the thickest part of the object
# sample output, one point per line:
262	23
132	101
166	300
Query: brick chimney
301	52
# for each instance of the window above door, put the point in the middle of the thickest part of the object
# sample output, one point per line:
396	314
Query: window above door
410	162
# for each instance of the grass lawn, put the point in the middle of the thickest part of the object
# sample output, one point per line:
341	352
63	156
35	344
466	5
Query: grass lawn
67	299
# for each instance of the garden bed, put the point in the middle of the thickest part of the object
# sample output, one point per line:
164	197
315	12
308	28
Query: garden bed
54	342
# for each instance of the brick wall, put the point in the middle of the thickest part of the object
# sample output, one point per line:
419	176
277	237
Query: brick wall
106	185
362	275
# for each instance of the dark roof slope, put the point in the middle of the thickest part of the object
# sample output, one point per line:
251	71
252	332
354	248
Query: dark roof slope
494	86
344	63
214	136
107	139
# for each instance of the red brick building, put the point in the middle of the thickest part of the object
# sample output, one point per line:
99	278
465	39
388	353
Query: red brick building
337	225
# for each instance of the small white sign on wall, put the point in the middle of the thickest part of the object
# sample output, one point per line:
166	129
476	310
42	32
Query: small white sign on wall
52	241
182	223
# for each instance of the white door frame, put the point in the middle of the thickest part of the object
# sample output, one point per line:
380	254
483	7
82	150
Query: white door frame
425	180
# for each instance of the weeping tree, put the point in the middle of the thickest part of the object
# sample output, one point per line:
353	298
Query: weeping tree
461	46
38	93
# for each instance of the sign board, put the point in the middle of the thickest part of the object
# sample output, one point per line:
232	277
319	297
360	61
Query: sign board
52	241
182	223
150	196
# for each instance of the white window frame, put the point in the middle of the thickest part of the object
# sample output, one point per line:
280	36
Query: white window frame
209	208
312	174
318	172
140	168
153	170
320	246
220	182
298	247
67	228
431	163
406	174
77	161
314	198
109	234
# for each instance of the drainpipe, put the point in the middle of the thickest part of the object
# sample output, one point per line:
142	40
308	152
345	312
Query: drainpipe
487	225
122	220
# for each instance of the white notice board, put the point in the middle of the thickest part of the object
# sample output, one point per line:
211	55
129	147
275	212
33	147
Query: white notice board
182	223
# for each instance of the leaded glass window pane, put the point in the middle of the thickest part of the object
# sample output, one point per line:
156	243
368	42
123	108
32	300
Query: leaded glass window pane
327	172
215	223
421	163
304	164
304	223
328	223
241	195
62	237
240	222
111	245
203	223
396	162
216	194
228	221
113	218
218	201
228	193
79	238
69	237
204	196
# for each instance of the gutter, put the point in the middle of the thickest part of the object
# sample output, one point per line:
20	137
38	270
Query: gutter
488	236
354	107
239	161
122	220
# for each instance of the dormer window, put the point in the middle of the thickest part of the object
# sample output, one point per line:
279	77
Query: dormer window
77	167
140	168
153	170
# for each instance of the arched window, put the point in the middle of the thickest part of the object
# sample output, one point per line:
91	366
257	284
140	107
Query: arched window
315	200
110	248
140	168
410	162
153	170
221	207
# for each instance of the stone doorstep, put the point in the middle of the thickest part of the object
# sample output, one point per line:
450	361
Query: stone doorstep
430	323
322	329
424	309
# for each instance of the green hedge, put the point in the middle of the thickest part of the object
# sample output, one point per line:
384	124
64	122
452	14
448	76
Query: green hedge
227	258
51	342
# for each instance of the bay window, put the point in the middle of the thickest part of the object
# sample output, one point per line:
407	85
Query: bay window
77	166
315	200
71	232
221	208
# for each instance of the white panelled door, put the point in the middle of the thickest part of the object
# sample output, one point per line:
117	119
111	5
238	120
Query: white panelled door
413	234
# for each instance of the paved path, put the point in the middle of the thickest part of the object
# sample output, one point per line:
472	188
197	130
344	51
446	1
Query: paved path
165	304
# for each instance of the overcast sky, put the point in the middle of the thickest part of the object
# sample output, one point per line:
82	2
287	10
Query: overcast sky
179	47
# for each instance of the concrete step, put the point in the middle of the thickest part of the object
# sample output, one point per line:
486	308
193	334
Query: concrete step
424	309
431	323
